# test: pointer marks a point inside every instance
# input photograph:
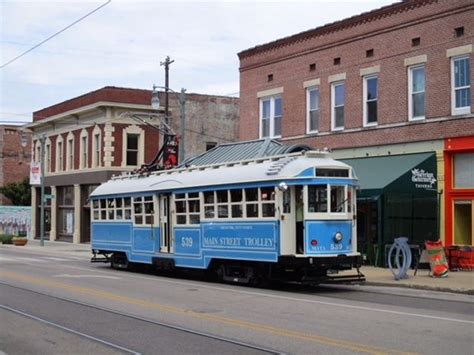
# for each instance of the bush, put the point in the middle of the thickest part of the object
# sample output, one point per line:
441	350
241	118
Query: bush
6	239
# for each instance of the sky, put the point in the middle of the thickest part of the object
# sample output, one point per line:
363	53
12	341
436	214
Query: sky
123	43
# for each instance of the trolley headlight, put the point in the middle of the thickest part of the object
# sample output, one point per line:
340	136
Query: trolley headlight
338	237
283	186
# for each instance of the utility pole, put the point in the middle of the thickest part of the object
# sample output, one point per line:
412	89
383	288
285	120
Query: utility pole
182	103
166	64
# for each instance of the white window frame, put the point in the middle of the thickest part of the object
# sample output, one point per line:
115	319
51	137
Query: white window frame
59	153
47	155
38	151
96	147
84	150
366	100
411	93
133	129
70	152
458	110
333	105
308	108
271	133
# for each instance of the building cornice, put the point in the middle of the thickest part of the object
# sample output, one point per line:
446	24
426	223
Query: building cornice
318	32
67	115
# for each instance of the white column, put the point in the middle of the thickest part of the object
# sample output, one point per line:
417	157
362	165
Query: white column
54	214
76	238
34	215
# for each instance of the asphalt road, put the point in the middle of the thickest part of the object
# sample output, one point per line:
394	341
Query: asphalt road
147	313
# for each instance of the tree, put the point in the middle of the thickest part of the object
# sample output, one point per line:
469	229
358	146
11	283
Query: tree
19	193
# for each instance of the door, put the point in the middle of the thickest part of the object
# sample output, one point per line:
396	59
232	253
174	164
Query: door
166	227
287	221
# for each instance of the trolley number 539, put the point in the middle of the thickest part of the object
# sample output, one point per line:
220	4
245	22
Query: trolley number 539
186	242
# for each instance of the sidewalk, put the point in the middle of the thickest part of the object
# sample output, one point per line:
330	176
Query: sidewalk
457	281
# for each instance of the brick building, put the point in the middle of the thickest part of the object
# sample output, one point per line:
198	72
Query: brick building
90	138
392	83
14	158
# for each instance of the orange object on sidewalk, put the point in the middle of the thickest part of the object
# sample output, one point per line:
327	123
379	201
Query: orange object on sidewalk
438	263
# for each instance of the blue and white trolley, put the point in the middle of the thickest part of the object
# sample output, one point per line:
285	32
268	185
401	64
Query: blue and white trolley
289	217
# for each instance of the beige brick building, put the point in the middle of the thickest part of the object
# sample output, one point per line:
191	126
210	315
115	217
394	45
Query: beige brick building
90	138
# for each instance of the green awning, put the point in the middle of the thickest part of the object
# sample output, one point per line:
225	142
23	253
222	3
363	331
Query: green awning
407	173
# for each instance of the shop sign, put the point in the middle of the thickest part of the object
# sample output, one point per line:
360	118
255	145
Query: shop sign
423	179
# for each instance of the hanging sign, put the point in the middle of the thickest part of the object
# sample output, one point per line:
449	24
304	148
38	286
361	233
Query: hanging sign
35	173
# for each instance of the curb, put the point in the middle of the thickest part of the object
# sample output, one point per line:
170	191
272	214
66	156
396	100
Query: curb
421	287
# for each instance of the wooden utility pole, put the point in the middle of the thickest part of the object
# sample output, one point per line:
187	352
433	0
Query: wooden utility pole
166	64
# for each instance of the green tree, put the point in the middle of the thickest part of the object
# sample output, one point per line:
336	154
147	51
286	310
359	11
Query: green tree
19	193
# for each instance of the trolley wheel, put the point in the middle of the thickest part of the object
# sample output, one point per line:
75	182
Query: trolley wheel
119	261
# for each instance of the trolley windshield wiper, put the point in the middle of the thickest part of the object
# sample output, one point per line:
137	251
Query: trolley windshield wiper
340	204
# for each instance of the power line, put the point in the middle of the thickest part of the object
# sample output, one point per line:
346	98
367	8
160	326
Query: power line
54	35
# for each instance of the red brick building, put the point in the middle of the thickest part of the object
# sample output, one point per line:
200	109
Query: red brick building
392	81
14	158
90	138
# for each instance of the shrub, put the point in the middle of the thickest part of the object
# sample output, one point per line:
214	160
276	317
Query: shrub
6	239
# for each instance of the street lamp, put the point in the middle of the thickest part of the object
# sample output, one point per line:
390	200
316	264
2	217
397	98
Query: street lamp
42	140
155	104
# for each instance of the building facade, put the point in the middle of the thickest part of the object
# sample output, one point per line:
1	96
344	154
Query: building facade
394	82
92	137
15	156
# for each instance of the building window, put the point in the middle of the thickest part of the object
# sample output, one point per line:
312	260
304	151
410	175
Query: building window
416	82
48	158
415	42
464	171
132	149
459	31
59	155
312	103
271	115
84	151
96	162
210	145
70	154
370	100
38	151
337	103
65	211
461	85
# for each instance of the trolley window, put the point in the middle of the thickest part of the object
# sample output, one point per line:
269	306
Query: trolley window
112	209
317	199
240	203
187	208
143	210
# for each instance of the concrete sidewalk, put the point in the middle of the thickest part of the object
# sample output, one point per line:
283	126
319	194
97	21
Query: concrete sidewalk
457	281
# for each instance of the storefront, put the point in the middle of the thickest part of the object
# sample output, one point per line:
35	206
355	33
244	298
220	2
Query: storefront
459	163
398	197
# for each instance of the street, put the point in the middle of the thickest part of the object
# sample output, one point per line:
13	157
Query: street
52	304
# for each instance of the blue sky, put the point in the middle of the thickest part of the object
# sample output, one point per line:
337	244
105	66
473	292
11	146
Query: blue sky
123	43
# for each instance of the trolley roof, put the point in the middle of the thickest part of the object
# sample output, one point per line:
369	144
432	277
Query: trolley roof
288	166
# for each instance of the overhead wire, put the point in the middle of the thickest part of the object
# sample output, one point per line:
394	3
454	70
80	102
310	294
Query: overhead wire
54	35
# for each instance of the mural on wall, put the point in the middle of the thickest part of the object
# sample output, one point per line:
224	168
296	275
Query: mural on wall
15	220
